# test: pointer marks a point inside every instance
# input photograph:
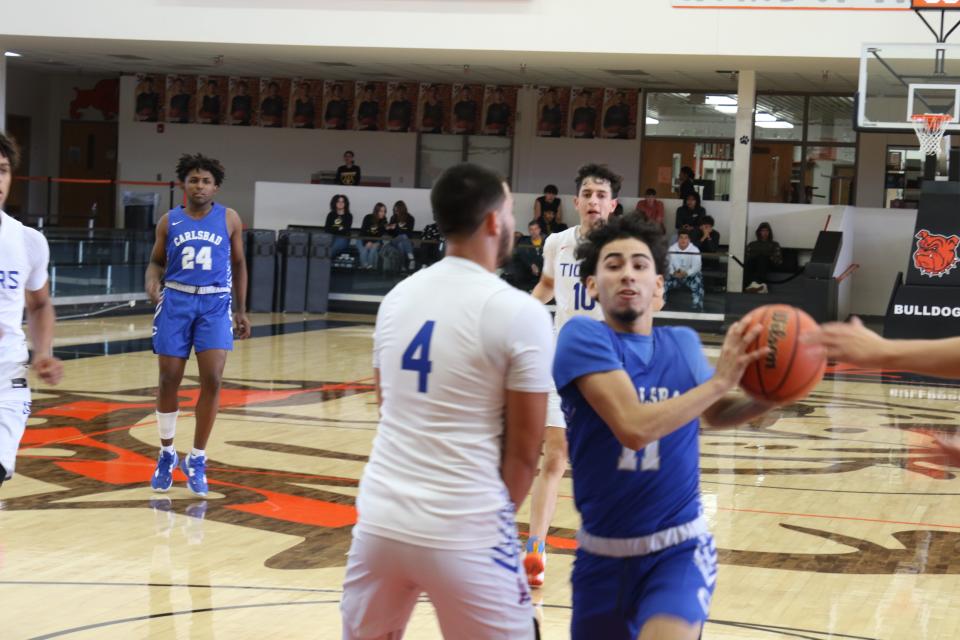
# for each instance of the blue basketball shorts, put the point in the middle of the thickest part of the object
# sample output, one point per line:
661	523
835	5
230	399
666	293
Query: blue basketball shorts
184	320
614	597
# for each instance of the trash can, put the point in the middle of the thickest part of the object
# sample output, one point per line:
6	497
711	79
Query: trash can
292	249
318	272
140	209
260	249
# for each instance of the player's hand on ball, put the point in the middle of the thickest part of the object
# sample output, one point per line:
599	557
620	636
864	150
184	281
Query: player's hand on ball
48	368
242	330
735	356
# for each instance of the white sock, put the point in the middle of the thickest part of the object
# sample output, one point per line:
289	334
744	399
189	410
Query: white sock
198	453
167	424
167	448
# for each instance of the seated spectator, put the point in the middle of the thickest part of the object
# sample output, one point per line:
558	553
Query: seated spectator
549	224
374	226
431	245
689	213
547	202
526	262
762	255
684	269
338	224
651	209
707	238
401	227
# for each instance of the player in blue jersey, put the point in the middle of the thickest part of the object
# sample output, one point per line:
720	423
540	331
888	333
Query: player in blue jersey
197	260
633	395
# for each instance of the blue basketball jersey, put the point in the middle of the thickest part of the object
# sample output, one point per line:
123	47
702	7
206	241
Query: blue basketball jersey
198	251
621	493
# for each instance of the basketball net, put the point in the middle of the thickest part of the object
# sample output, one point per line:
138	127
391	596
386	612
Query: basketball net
930	128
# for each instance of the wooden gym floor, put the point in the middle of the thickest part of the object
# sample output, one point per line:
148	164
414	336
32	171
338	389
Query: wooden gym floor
831	521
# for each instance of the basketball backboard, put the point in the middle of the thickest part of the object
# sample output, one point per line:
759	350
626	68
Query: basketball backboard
898	80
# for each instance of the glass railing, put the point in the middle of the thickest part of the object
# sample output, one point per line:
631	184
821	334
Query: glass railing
97	262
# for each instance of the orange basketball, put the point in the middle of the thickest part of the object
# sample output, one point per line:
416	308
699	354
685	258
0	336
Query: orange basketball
791	369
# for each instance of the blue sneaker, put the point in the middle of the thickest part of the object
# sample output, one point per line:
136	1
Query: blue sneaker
162	478
196	472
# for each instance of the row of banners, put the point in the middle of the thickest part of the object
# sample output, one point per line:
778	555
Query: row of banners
459	108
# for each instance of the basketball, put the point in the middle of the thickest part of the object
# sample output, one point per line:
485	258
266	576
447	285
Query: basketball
791	369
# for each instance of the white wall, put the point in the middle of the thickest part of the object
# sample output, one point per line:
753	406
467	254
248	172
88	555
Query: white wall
624	26
871	164
253	153
882	240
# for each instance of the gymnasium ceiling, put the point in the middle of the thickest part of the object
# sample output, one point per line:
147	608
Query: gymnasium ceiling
76	55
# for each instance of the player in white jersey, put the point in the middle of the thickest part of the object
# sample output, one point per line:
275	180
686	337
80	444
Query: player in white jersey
597	191
24	255
461	362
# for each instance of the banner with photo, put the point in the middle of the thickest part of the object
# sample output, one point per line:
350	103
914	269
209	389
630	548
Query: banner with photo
370	112
620	113
433	108
303	111
181	96
401	98
499	107
552	105
274	94
244	101
211	99
465	114
585	104
150	90
337	104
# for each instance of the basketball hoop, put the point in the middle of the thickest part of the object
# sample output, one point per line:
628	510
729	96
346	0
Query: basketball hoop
929	128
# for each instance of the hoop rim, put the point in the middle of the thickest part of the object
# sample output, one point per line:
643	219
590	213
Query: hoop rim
936	119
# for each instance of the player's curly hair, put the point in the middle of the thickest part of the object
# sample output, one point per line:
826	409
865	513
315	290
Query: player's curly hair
599	172
188	163
9	150
631	225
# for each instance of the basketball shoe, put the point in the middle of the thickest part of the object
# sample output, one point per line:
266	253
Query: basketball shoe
196	472
162	478
535	562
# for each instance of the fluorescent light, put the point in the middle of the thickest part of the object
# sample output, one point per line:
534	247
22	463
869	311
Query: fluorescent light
764	117
779	124
652	120
11	54
728	109
721	100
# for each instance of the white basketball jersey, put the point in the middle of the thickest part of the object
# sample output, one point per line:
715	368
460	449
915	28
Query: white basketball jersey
569	293
449	342
23	266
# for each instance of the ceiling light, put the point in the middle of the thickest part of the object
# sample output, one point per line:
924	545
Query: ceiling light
779	124
11	54
764	117
652	120
728	109
721	100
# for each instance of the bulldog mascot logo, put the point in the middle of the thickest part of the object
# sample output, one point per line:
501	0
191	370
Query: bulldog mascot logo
935	255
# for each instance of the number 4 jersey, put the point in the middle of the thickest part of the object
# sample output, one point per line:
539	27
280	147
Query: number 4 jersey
449	342
569	293
198	251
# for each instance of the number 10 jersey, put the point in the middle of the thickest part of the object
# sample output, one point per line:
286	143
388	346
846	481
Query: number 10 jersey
560	263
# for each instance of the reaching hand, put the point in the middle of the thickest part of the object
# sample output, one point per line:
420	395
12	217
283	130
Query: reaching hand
850	342
735	356
242	329
48	368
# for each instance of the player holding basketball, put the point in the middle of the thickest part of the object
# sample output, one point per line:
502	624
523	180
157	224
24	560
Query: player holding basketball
198	255
461	362
633	396
597	191
23	282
